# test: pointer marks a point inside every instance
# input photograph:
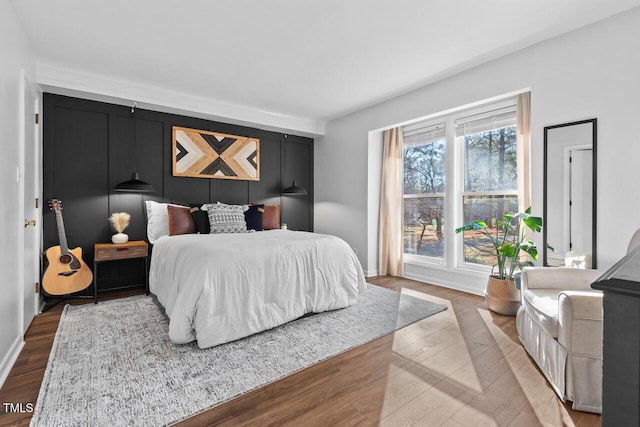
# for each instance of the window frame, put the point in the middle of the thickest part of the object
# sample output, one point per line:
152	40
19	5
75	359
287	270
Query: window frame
454	191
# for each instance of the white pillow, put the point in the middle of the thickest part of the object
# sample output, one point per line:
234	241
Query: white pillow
158	220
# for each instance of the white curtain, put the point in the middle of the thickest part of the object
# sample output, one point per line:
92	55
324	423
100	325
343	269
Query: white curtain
523	112
391	205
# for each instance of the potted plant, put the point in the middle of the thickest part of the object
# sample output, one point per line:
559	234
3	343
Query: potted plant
509	242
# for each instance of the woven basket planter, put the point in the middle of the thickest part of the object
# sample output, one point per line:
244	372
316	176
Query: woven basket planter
502	296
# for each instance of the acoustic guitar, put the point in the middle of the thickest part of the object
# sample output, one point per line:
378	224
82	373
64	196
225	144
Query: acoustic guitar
66	272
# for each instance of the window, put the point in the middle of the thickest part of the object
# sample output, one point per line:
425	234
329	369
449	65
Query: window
424	178
459	168
489	143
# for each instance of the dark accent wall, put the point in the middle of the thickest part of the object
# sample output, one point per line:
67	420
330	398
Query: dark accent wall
89	148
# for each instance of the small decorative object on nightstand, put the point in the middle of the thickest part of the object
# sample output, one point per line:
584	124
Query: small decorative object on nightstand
119	221
119	238
104	252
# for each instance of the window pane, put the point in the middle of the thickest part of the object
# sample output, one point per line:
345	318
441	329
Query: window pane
477	246
423	226
424	168
490	160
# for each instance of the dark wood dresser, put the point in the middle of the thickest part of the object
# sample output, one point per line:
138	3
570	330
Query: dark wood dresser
621	346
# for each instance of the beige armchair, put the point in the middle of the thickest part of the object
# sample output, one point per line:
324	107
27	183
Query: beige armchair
560	325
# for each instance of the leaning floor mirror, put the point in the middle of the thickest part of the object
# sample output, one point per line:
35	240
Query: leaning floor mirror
570	194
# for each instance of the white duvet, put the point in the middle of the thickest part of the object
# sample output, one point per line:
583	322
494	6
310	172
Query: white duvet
218	288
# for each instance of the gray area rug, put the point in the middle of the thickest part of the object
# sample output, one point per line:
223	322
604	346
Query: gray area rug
113	363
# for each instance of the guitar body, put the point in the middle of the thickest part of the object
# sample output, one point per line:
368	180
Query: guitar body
65	273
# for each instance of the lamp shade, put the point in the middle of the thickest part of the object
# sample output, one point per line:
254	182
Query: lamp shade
135	185
294	190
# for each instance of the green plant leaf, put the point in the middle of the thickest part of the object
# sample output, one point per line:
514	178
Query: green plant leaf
508	249
476	225
534	223
530	248
509	246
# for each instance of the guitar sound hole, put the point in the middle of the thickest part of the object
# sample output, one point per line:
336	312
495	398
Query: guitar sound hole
65	259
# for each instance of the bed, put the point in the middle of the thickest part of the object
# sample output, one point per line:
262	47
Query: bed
221	287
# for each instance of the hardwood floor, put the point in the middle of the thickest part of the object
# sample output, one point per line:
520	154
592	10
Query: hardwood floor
461	367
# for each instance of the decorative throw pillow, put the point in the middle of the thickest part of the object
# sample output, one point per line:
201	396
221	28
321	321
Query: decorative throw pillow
226	218
271	217
205	207
201	220
253	217
180	220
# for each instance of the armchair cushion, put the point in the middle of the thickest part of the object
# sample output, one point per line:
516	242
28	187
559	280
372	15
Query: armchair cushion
542	306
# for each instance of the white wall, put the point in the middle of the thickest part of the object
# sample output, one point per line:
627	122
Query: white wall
590	72
15	55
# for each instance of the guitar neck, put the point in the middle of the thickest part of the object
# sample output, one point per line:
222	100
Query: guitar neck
62	236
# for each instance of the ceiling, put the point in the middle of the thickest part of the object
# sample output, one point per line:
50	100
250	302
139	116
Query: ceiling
311	59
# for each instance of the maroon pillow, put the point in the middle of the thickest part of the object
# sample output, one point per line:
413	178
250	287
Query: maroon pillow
180	220
271	217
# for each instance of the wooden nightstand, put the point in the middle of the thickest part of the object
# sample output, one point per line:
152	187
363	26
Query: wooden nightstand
103	252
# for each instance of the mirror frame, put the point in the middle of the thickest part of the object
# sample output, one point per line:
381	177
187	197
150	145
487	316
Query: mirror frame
594	139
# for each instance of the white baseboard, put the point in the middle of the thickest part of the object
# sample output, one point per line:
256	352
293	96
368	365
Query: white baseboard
458	286
10	358
371	273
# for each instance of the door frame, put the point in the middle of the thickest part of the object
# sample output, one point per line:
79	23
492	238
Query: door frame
29	91
566	192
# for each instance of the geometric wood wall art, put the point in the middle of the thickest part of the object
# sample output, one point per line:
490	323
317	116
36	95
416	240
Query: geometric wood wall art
204	154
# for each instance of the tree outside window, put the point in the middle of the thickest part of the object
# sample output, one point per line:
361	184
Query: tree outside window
424	186
490	187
